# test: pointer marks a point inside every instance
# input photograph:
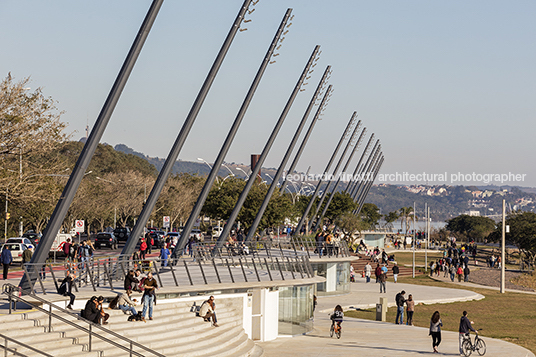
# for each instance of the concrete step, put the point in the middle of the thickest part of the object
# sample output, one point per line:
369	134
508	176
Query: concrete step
175	331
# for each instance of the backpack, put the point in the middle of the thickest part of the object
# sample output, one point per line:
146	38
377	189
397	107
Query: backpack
113	303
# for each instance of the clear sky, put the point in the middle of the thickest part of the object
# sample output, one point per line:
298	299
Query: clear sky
448	86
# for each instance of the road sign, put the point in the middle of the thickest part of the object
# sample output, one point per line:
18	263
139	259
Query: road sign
79	226
166	221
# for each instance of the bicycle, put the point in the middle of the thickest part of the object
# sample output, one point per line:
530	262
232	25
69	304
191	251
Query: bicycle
335	329
478	345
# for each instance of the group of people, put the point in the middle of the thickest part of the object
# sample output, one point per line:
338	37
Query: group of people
135	280
435	321
327	243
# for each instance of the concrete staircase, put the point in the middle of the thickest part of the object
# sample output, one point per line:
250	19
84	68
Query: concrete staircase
174	331
362	259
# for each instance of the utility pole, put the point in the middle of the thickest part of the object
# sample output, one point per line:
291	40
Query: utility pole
413	243
503	243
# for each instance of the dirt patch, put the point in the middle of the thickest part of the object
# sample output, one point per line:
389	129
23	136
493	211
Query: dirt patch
492	277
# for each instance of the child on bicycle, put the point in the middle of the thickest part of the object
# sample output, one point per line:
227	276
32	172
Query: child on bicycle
337	316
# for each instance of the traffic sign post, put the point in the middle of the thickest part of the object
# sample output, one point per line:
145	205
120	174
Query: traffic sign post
79	226
166	220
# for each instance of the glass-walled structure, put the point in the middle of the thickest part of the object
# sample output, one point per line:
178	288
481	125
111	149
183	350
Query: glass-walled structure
295	309
337	276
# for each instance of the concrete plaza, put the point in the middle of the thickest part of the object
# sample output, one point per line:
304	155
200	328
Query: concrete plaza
372	338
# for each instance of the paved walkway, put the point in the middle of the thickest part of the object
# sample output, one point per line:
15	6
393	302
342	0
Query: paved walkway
375	339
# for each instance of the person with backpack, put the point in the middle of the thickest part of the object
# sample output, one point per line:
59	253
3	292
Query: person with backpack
66	287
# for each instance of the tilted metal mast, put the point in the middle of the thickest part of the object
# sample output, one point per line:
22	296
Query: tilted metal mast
366	174
356	147
306	137
166	170
283	163
358	166
369	184
67	196
328	166
365	168
354	115
185	234
266	150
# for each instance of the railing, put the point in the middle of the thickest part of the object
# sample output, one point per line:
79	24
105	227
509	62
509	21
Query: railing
200	264
14	351
13	293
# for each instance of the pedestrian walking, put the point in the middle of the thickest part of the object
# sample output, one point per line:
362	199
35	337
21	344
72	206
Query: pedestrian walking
466	273
410	309
383	282
6	259
368	271
435	330
143	249
396	271
164	255
378	272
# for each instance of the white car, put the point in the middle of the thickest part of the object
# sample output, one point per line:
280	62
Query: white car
22	240
16	250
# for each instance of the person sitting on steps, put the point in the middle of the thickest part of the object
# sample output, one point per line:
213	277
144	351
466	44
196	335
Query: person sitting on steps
207	311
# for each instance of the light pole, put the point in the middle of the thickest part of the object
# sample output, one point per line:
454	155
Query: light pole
200	159
245	173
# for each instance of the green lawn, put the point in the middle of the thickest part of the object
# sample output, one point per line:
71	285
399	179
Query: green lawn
510	316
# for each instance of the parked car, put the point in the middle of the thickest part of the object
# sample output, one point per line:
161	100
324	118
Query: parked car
122	233
16	250
32	236
27	242
106	239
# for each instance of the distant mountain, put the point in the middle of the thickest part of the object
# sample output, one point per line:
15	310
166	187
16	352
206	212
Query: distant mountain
194	167
445	201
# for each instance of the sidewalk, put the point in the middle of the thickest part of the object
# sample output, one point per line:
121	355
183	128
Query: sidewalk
371	338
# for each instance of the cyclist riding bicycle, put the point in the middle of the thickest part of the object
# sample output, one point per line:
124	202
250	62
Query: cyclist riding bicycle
465	327
337	316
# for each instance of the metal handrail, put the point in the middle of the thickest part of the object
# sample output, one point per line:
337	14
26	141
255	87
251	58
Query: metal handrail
8	289
7	349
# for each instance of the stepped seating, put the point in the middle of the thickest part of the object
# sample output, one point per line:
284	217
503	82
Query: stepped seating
174	331
359	267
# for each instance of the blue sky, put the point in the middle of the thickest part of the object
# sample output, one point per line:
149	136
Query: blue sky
448	86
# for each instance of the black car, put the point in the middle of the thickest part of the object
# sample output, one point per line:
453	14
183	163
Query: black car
106	240
32	236
122	233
